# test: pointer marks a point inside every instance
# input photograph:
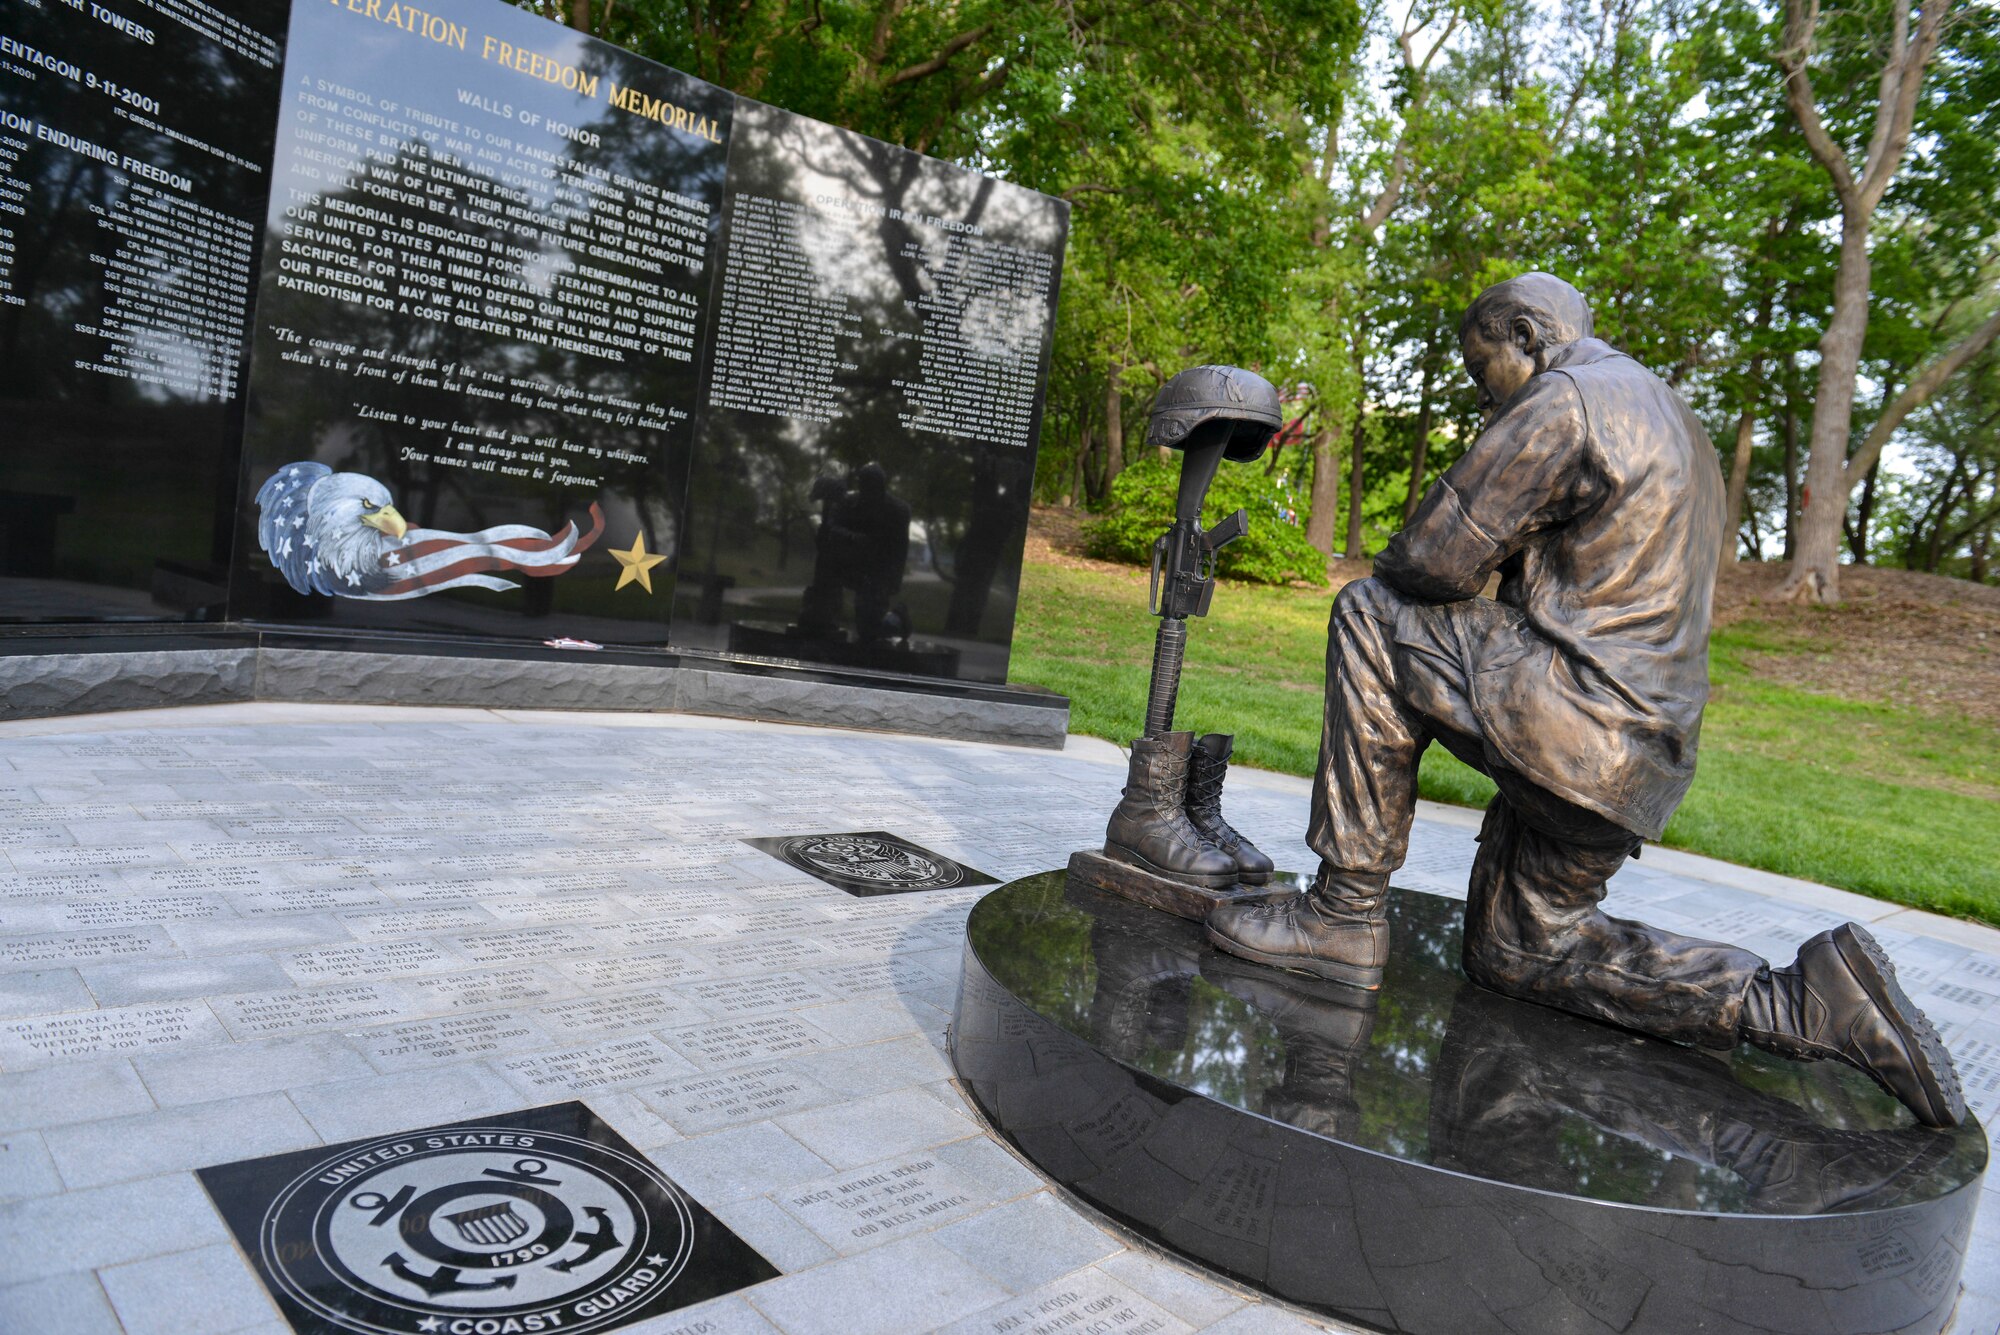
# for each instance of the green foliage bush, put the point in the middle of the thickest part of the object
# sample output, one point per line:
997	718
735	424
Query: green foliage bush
1142	507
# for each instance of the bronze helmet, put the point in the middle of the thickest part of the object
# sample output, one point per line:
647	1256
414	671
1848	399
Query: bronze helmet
1208	399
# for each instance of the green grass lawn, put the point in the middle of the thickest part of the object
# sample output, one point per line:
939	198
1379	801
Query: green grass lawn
1888	802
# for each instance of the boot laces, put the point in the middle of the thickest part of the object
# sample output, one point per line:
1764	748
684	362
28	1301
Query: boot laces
1204	790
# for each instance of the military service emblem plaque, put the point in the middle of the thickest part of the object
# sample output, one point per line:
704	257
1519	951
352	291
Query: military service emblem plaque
871	862
542	1220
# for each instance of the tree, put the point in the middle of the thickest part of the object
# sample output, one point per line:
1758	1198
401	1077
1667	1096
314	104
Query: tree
1859	185
1342	232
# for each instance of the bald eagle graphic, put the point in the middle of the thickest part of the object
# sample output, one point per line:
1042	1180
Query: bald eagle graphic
340	534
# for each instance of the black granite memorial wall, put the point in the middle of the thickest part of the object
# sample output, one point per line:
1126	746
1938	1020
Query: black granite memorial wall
135	142
456	323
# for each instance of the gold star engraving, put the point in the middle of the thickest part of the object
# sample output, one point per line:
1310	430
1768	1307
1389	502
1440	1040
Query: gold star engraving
634	564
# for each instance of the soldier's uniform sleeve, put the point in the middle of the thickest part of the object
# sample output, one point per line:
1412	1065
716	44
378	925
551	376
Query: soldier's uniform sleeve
1529	470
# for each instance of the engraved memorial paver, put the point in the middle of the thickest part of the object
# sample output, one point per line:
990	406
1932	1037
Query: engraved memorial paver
422	1043
734	1098
649	966
72	947
490	987
880	1203
752	996
272	1014
654	1009
539	943
414	922
1090	1301
354	963
609	1065
733	1042
124	1029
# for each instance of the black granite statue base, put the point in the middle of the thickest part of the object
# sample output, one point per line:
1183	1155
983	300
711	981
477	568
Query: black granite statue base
1194	902
1440	1160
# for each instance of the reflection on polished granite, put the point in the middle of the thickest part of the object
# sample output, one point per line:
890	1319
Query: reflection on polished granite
1375	1154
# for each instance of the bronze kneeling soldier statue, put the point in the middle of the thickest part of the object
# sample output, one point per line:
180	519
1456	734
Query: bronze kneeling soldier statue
1596	496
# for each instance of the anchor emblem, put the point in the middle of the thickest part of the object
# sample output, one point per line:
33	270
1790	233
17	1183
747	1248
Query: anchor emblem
445	1279
595	1244
529	1225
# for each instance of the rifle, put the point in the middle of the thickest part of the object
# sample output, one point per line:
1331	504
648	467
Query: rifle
1183	579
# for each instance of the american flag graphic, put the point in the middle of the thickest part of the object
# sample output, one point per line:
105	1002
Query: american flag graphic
431	559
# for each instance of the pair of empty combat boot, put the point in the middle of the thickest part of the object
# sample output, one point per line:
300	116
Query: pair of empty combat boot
1169	821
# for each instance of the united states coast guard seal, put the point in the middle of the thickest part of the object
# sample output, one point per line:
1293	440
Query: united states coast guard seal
476	1230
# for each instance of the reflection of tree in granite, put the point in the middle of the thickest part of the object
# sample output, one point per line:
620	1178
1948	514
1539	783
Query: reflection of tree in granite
1635	1119
690	166
967	500
1326	1030
862	544
1060	939
52	271
315	417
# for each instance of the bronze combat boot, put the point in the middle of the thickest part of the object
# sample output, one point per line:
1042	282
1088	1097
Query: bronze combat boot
1150	828
1840	1000
1338	930
1208	764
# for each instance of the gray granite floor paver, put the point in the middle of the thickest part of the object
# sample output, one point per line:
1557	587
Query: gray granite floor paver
71	1092
1029	1242
722	1316
166	980
73	1303
99	1226
860	1131
229	912
249	1068
26	1168
1190	1296
755	1160
208	1291
379	1104
906	1286
1263	1319
43	992
96	1153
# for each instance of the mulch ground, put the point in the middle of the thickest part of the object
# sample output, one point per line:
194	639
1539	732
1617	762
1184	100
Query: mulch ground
1896	637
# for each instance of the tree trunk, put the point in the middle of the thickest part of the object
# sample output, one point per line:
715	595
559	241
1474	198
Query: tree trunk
1114	429
1324	502
579	15
1093	474
1356	487
1857	536
1791	459
1815	574
1746	422
1421	445
1739	480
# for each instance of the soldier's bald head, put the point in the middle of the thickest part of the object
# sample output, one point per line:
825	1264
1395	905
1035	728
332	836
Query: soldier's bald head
1557	311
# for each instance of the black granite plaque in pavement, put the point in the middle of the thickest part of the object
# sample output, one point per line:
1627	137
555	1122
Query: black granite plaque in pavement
539	1220
871	862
